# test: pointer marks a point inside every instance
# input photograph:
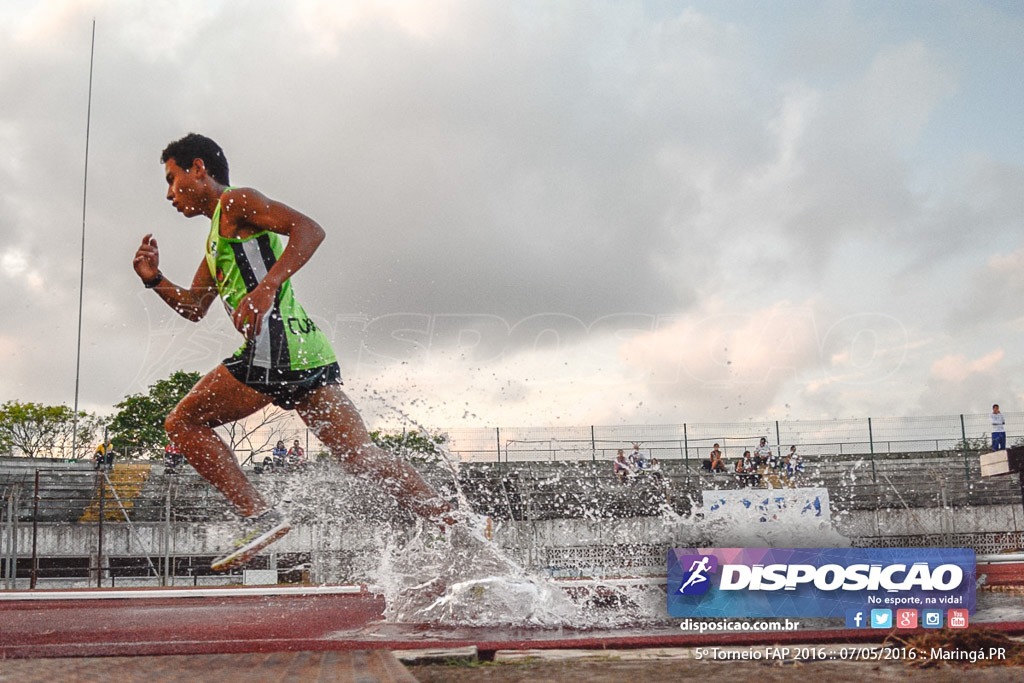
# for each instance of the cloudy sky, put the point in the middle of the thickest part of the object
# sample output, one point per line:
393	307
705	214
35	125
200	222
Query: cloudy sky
540	212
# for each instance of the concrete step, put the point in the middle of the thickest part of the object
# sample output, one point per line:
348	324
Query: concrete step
125	483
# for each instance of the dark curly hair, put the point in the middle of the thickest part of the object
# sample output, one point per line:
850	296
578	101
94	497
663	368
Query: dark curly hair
195	146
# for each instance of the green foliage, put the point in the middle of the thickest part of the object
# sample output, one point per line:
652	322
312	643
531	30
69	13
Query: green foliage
138	427
411	445
37	430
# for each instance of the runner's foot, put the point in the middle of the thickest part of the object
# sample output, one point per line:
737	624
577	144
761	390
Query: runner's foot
261	531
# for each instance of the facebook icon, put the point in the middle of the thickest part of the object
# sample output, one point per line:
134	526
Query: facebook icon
856	618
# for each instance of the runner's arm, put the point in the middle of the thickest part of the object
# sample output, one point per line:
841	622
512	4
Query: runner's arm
247	212
191	303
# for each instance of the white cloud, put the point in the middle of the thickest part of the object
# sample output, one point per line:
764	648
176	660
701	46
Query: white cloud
656	185
957	368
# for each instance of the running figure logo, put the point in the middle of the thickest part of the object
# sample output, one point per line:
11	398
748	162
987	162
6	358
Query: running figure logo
696	580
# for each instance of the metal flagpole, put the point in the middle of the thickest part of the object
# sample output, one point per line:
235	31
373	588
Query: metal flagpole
81	272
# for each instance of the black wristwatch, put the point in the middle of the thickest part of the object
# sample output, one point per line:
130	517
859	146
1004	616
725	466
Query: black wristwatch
151	283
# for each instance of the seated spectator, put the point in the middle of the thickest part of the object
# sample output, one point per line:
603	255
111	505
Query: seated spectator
748	462
794	464
717	464
279	454
749	469
714	462
172	458
763	454
741	468
654	468
276	460
296	456
637	458
622	467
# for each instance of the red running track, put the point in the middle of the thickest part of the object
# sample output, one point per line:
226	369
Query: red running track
204	621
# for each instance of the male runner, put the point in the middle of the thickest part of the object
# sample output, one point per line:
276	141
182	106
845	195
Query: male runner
285	359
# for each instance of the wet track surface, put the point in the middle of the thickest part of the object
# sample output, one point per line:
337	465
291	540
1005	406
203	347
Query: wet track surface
345	618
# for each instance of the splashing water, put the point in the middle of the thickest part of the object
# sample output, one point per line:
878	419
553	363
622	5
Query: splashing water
463	578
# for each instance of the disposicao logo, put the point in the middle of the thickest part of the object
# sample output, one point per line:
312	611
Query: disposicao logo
696	579
817	582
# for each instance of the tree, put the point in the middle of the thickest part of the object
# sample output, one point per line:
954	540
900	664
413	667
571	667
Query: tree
255	433
90	433
45	431
411	445
138	427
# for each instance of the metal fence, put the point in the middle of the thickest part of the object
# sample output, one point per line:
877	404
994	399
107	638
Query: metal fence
838	437
71	524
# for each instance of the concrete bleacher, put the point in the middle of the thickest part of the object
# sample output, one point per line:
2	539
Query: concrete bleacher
523	490
543	490
65	489
70	492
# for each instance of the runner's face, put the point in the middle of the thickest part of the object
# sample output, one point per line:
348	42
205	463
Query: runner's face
181	188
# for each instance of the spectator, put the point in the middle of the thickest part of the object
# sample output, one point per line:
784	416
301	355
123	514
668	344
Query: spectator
172	458
296	455
276	460
622	468
280	454
98	459
654	468
108	457
763	454
638	458
751	473
794	464
747	463
717	465
745	470
998	429
714	462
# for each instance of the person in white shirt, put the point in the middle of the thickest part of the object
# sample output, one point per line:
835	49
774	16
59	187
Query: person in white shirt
998	429
763	454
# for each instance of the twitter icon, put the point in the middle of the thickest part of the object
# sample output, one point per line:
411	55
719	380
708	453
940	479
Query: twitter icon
881	618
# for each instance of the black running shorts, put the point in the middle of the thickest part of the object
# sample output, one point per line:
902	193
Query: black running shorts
284	386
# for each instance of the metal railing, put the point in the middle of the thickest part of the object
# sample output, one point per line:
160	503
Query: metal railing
839	437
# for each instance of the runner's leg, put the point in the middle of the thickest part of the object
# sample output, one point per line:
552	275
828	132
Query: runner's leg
214	400
338	425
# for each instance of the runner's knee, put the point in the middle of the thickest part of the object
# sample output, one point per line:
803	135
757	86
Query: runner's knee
179	422
353	461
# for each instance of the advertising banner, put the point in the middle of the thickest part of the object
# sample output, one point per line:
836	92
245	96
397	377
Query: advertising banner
819	582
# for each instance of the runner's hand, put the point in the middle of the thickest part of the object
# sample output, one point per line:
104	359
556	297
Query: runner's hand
147	259
248	317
